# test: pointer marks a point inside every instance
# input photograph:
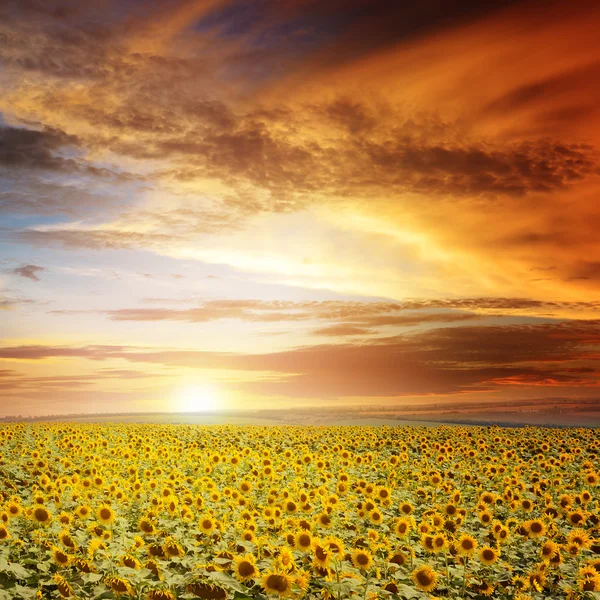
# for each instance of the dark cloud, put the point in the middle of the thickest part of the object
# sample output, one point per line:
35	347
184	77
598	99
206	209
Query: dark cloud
538	92
152	103
345	316
585	270
28	271
499	304
341	31
269	156
438	361
32	149
475	170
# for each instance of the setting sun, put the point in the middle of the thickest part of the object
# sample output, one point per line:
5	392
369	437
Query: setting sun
197	398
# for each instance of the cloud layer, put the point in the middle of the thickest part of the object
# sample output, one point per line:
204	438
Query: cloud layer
332	200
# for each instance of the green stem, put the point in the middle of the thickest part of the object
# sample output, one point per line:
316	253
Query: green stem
447	572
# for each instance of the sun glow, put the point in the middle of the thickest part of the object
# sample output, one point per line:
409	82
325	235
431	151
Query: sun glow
197	398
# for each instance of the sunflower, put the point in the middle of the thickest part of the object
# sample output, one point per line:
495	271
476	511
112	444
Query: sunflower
83	566
94	546
502	534
285	560
425	578
592	478
160	594
322	556
375	516
589	584
594	563
245	567
138	542
277	582
485	588
535	527
83	511
63	586
106	514
486	517
207	525
65	518
41	515
576	518
4	533
572	549
587	571
424	528
527	505
324	520
146	526
406	508
119	586
384	493
303	540
402	527
248	535
520	583
206	590
335	545
172	549
127	560
427	542
60	558
488	555
67	540
537	580
303	580
439	543
152	566
362	558
549	550
580	537
13	509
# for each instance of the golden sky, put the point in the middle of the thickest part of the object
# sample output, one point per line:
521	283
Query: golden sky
218	203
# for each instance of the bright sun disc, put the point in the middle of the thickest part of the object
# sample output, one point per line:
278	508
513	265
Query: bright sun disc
197	398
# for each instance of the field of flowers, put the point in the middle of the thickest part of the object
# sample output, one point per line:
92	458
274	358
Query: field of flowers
235	512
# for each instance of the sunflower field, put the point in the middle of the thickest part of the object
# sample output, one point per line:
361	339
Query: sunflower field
159	512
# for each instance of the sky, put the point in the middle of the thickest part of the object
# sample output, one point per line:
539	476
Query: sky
276	203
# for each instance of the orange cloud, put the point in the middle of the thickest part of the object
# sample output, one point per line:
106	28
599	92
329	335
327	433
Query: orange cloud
359	167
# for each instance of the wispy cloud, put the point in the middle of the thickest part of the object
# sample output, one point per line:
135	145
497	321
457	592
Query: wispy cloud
28	271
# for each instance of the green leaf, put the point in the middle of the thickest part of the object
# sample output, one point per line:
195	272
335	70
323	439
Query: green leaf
408	592
19	571
227	581
25	592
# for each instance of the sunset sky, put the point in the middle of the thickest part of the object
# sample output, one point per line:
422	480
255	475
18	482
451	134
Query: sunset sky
279	203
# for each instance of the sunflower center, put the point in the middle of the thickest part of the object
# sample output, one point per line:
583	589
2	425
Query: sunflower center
41	514
278	583
246	568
